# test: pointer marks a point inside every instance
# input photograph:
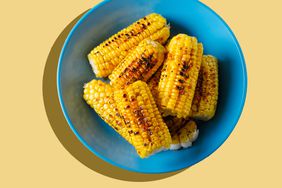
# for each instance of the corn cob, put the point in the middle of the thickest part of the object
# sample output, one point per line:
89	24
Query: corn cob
140	64
179	76
184	136
99	96
105	57
144	123
153	83
206	94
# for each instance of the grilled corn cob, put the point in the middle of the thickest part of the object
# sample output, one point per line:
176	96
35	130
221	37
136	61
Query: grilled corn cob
184	136
179	76
144	123
140	64
206	94
105	57
153	83
99	96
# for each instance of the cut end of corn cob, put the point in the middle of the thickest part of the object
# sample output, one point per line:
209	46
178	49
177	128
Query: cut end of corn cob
161	35
185	136
179	76
140	64
99	96
206	94
105	57
144	123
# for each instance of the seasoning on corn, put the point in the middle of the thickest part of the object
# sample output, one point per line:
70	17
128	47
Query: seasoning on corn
140	64
206	94
99	96
153	83
105	57
143	121
179	76
184	136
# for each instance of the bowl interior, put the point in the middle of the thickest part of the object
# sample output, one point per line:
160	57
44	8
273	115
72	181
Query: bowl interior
185	16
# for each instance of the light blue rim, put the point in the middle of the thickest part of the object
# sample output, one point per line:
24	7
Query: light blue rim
245	85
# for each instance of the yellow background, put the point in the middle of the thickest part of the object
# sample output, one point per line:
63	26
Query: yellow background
32	156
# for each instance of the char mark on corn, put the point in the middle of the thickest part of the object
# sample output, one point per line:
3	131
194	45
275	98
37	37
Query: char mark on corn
206	94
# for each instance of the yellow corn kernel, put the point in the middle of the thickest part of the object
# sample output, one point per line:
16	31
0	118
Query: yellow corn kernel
99	96
206	94
179	76
140	64
105	57
149	133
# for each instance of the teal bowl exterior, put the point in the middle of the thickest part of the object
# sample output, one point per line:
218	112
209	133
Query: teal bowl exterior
185	16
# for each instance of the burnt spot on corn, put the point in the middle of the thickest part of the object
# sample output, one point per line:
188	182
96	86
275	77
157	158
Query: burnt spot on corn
141	120
186	76
181	81
132	99
137	69
126	121
185	67
144	26
127	107
199	89
180	87
134	69
147	61
118	122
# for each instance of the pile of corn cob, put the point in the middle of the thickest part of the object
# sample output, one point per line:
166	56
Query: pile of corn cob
155	92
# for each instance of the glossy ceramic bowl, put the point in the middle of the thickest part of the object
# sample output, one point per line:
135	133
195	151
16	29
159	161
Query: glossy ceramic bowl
186	16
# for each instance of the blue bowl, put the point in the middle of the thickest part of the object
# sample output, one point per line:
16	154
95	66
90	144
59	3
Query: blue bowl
185	16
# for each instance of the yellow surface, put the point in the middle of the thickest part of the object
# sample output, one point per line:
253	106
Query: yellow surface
31	154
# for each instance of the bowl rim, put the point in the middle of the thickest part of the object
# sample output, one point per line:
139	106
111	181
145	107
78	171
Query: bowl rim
61	101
